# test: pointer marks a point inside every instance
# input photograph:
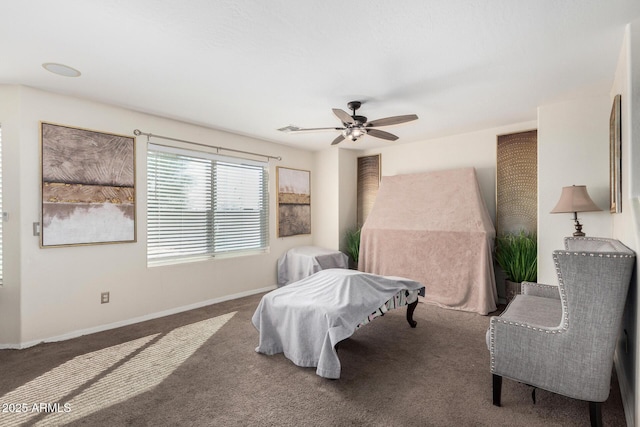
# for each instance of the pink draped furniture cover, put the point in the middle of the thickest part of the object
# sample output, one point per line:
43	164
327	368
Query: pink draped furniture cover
434	228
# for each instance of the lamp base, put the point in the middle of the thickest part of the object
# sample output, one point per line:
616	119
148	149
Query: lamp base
578	232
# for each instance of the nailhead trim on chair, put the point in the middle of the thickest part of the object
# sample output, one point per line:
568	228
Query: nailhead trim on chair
539	285
563	295
601	255
593	239
533	328
492	344
564	325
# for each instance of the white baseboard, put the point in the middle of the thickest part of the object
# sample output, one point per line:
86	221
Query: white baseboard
101	328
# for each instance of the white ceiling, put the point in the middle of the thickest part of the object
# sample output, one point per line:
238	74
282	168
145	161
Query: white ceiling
253	66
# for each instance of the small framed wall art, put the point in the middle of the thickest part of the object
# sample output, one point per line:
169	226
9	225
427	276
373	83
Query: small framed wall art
294	201
615	159
87	187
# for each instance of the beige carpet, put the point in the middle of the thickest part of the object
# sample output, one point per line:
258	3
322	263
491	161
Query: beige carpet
199	368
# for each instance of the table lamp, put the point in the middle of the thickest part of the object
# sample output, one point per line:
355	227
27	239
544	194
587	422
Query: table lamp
575	199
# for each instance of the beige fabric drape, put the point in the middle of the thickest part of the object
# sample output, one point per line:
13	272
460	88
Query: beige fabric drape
434	228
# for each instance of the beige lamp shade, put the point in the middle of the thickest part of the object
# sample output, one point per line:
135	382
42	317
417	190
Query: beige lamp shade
575	199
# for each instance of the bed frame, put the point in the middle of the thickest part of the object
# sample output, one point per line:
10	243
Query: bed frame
396	302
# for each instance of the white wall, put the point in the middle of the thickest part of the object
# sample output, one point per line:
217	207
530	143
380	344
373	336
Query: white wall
476	149
10	290
325	199
573	148
633	81
58	289
348	190
334	192
625	224
633	93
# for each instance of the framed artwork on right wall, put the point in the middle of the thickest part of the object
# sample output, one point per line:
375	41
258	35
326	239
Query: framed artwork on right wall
615	159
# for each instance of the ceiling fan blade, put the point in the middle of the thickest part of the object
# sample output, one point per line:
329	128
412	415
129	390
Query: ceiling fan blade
381	134
338	140
292	128
343	115
387	121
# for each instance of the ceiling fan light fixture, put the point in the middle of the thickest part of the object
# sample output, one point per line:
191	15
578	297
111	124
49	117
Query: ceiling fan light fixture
354	133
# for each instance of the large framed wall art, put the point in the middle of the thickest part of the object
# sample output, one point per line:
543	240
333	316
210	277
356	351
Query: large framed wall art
517	183
615	159
369	168
294	201
88	187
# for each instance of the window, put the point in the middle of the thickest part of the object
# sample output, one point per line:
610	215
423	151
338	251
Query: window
204	205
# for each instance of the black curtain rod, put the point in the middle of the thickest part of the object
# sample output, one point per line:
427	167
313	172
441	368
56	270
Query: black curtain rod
137	132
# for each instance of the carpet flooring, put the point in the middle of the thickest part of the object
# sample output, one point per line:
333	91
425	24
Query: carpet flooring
199	368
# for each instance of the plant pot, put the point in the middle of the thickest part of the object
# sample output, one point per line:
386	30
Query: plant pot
511	289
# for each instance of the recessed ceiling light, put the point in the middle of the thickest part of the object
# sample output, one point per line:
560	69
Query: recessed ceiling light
61	69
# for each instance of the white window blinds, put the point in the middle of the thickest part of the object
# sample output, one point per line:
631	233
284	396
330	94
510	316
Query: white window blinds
202	205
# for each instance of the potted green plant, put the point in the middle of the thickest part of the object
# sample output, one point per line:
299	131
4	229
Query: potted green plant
352	239
517	255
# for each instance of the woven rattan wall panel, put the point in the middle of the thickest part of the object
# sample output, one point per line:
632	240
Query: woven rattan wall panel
368	184
517	182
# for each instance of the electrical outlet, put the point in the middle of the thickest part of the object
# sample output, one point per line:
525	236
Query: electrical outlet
104	297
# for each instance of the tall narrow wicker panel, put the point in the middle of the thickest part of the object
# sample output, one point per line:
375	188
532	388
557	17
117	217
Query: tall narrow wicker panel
368	184
517	182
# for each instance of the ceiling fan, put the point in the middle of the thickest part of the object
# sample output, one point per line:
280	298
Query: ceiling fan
354	127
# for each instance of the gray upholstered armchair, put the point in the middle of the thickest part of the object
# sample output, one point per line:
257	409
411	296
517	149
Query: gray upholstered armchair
562	339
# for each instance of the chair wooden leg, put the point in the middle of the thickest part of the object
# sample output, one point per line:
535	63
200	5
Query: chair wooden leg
497	389
595	414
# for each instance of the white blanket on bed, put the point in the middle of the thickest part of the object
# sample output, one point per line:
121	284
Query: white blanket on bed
306	319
